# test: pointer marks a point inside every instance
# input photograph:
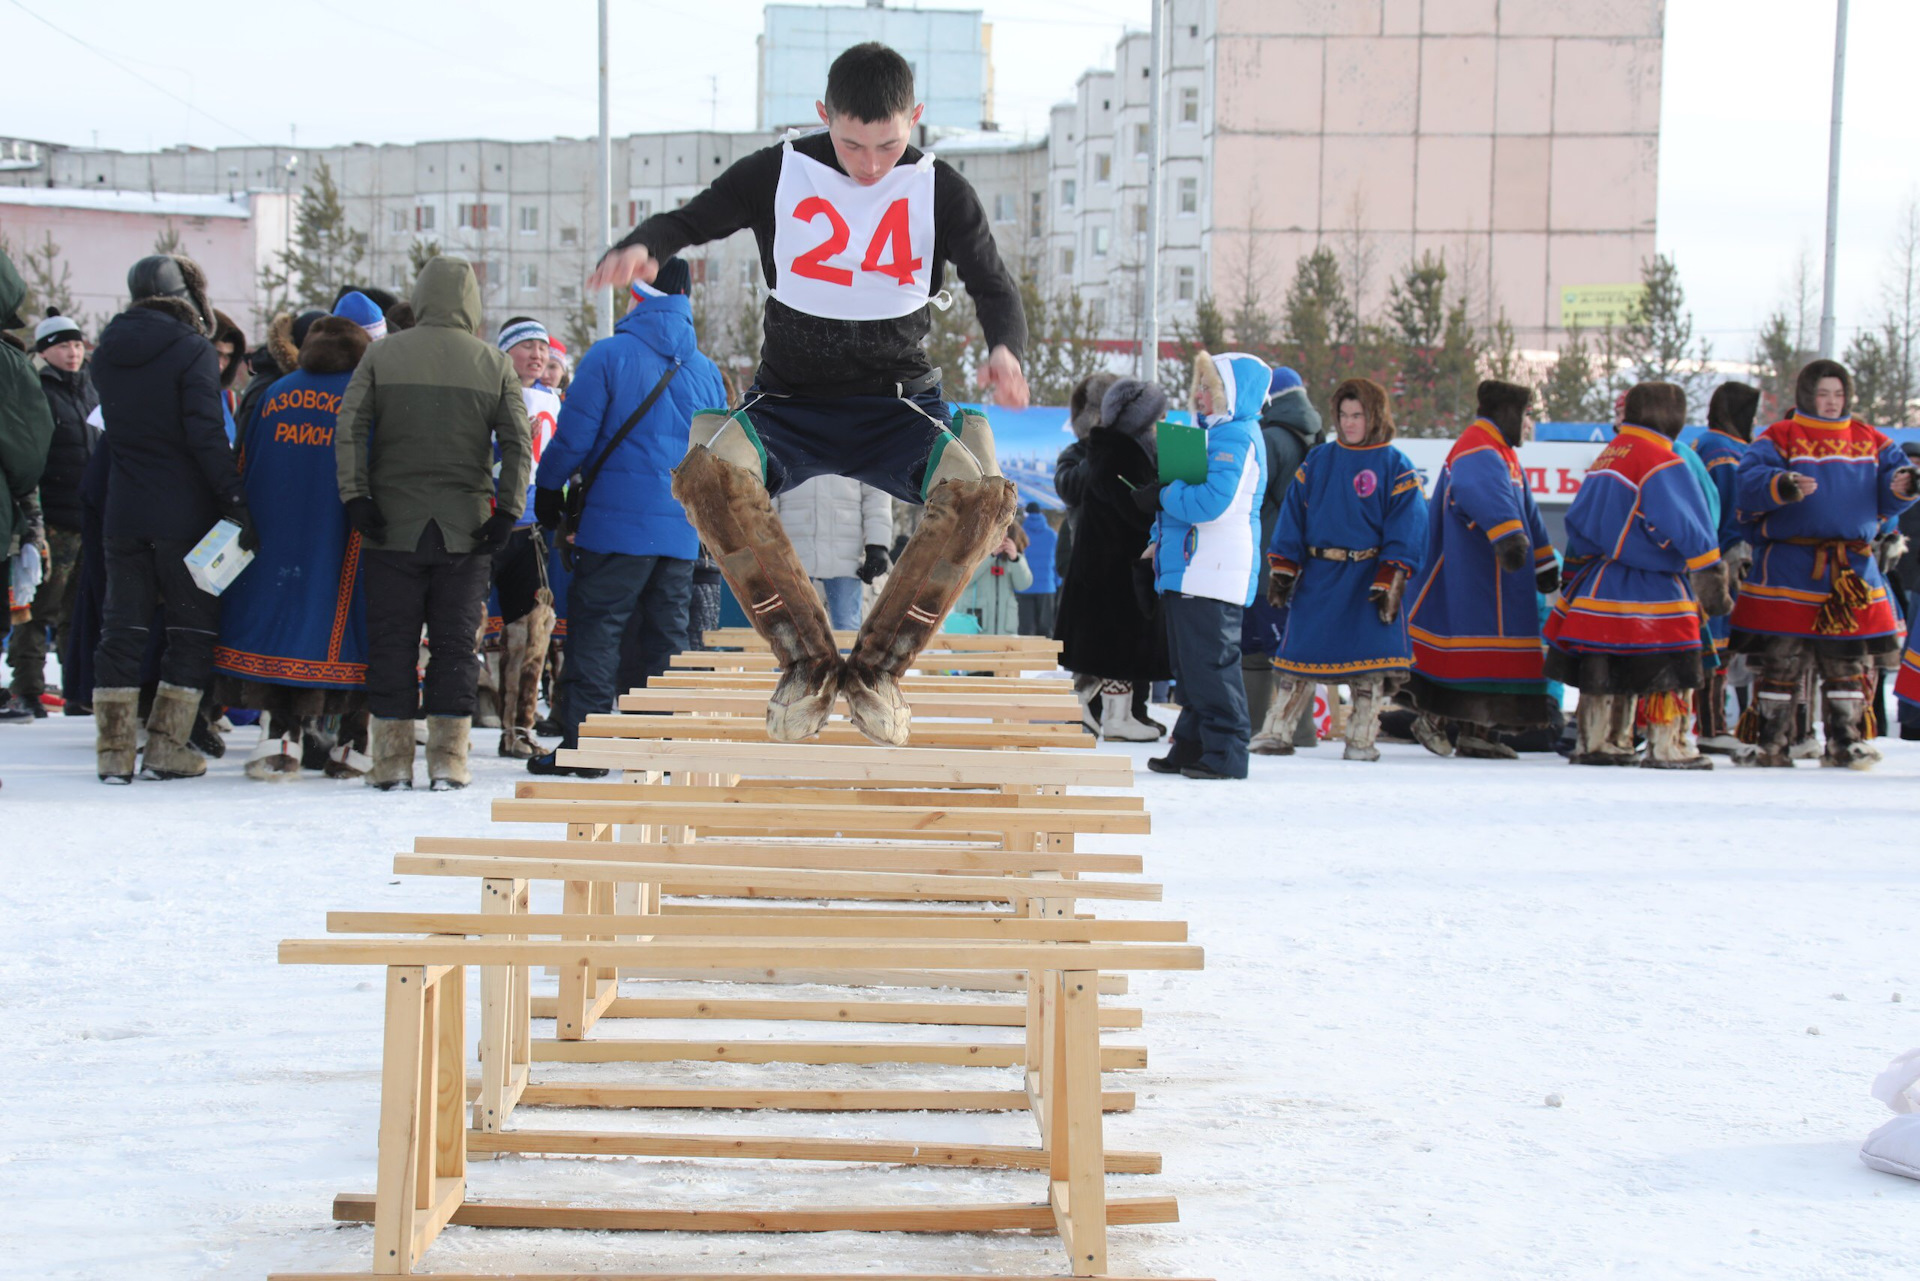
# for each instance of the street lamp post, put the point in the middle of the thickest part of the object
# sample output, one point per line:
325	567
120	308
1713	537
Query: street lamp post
1833	180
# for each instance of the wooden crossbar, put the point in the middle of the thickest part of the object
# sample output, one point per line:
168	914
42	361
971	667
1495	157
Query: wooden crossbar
600	1094
709	1276
1010	820
837	733
1004	705
983	1156
755	792
693	955
952	857
912	683
942	1013
949	1054
956	642
862	926
954	767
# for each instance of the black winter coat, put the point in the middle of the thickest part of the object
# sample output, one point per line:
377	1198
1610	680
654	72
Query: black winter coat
1106	623
173	470
1070	482
71	397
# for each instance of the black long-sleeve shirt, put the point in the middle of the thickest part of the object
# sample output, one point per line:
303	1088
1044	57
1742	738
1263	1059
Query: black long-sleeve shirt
812	355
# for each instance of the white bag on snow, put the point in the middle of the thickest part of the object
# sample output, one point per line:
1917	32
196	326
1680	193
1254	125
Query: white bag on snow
1895	1147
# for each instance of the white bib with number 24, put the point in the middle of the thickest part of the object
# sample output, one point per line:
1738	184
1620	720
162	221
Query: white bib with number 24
848	252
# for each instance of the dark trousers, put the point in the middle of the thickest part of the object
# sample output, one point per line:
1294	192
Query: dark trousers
609	591
1036	613
144	575
446	592
1203	641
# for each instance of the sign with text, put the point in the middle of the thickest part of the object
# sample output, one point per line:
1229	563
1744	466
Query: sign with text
1598	306
1554	469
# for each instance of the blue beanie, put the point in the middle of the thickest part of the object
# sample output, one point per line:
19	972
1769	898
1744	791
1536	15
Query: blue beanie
362	311
1284	379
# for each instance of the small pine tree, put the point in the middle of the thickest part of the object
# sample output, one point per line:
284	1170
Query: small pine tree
1567	395
1503	354
1062	342
421	252
1657	339
581	325
1776	364
1317	312
326	252
49	281
167	241
1879	391
1207	332
1433	346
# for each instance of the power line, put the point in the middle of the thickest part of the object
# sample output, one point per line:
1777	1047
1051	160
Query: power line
151	84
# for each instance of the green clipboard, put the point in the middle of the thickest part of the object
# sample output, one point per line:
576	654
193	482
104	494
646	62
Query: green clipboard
1183	452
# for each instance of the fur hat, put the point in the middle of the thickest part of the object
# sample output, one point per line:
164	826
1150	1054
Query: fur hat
1733	407
56	328
1505	406
400	316
1660	407
1373	403
1810	376
226	331
334	345
172	283
381	298
1084	404
1132	408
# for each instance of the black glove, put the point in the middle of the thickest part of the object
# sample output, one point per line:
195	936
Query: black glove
493	535
874	565
364	515
1511	551
1147	497
1548	580
238	513
548	505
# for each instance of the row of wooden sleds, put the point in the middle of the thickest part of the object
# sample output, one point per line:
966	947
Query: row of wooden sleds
939	885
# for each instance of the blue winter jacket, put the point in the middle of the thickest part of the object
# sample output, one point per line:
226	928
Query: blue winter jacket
1207	536
631	509
1040	547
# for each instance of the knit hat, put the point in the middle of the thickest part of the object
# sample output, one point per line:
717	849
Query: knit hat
515	332
673	278
56	328
362	311
302	323
557	347
1284	379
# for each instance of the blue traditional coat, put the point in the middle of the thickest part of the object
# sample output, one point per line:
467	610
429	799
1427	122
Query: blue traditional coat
1638	527
1813	572
296	615
1721	452
1354	498
1472	622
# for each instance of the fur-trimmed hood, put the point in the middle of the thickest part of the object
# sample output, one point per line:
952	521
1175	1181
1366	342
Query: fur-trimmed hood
1237	381
1083	405
1810	376
1504	405
280	344
1373	403
334	345
1732	409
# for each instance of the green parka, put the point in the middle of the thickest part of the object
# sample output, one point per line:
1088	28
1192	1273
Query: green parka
26	422
419	423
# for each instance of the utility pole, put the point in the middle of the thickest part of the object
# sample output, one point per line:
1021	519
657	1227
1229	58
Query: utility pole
1150	346
603	173
1833	179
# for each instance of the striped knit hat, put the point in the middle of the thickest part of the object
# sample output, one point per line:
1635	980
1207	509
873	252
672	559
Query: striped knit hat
515	332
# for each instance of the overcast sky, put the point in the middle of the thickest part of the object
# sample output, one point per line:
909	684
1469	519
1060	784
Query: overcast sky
1744	109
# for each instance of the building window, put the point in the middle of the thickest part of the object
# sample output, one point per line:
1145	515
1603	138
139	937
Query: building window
1003	208
1097	313
529	218
569	235
529	276
481	217
1189	197
568	293
480	273
1099	242
1036	212
1142	140
397	276
423	217
1102	167
1069	192
1139	220
1183	284
1066	261
639	211
1190	105
396	220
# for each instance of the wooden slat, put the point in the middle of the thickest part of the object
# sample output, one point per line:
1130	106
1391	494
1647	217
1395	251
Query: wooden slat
863	856
778	1148
930	980
774	793
712	1276
595	1094
955	767
681	954
882	926
772	819
618	1050
746	638
352	1207
943	1013
746	729
1009	705
681	678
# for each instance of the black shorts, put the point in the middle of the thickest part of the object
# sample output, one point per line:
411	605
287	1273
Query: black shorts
888	442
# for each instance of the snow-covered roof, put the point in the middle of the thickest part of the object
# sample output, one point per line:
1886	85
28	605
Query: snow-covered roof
170	203
967	140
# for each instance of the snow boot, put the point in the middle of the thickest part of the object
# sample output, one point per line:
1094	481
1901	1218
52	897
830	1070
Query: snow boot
964	518
169	754
1478	743
116	712
1668	746
1847	720
1290	703
719	484
490	702
1771	724
1086	689
1116	715
447	740
1710	724
523	655
276	758
1363	723
1599	718
1430	733
390	745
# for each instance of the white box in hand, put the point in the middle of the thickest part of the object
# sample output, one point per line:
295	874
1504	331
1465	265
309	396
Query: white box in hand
217	559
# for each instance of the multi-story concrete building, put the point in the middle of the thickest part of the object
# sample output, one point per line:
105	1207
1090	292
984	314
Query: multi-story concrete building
950	50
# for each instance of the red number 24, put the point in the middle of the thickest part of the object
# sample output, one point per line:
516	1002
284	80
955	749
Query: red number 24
892	231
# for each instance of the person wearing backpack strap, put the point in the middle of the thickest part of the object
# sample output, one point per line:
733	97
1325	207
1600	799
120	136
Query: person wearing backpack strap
623	428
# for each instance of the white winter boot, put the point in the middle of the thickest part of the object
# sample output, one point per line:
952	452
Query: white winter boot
276	758
1116	715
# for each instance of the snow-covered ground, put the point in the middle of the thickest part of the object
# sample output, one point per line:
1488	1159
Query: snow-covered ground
1404	962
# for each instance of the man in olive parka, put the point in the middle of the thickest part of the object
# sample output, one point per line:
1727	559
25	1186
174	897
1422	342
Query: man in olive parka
414	446
26	424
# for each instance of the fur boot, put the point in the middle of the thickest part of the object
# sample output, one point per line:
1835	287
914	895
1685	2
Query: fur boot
1087	690
730	508
276	759
1714	733
1290	702
390	745
1363	723
489	704
1478	742
1773	710
1598	720
1116	715
116	717
523	655
169	754
447	740
962	521
1847	745
1431	733
1669	733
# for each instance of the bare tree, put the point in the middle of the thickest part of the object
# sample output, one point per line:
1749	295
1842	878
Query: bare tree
1358	255
1900	293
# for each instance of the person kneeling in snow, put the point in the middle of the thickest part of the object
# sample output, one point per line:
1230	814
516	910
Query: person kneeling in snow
1643	561
1352	530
